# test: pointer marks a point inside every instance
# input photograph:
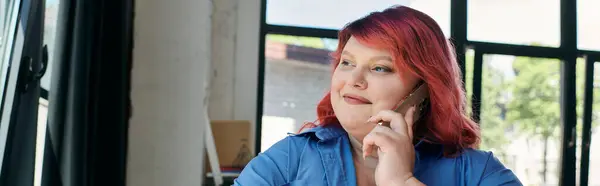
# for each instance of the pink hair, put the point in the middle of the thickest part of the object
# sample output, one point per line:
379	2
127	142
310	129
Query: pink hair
417	44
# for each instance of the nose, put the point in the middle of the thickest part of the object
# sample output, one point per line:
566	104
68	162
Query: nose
357	79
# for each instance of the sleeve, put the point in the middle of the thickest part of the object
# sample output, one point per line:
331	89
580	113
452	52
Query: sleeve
268	168
495	173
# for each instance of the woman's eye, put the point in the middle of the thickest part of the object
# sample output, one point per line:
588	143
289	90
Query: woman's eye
345	63
382	69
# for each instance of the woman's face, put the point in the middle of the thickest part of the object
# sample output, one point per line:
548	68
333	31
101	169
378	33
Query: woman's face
365	82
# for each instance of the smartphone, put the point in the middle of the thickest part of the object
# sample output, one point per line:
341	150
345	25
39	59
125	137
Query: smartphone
419	98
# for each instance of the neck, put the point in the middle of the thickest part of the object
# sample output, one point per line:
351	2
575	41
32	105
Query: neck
370	161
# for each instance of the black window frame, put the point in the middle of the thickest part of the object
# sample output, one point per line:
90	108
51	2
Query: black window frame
20	99
89	101
567	52
590	59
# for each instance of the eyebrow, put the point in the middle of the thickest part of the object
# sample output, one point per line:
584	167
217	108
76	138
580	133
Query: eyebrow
376	58
379	58
347	53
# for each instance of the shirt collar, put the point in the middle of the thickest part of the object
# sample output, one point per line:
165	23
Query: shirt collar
426	147
331	131
325	132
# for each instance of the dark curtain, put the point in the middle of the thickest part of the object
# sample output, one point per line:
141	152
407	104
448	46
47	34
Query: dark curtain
88	109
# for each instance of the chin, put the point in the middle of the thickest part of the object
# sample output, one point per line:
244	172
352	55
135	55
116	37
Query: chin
353	120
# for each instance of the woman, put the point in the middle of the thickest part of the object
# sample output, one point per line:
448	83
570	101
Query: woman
380	60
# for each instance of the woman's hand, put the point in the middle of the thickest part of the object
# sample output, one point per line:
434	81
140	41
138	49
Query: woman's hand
394	147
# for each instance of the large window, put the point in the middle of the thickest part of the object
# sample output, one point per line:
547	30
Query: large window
523	80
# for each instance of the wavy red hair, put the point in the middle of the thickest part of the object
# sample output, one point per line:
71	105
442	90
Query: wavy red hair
418	44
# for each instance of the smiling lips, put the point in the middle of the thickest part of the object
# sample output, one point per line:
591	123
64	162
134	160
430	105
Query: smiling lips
355	99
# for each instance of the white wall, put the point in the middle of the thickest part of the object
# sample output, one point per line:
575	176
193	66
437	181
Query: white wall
235	27
171	53
175	43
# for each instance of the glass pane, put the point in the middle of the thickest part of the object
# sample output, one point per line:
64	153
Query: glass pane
588	26
50	22
292	64
321	14
8	25
594	179
580	83
514	21
469	62
8	21
3	14
521	113
4	18
40	141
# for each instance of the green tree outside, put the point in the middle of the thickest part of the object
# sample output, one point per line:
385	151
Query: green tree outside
533	105
493	106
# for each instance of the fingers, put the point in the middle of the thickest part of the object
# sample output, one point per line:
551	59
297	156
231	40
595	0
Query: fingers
384	137
399	123
410	116
381	137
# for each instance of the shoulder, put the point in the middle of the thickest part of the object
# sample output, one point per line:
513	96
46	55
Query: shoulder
306	140
304	147
272	166
296	143
480	157
291	144
484	160
279	163
486	169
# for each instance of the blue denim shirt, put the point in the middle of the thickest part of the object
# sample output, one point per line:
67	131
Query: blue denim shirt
322	156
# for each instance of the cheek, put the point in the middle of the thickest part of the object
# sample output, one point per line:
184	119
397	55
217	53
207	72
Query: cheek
386	95
337	83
